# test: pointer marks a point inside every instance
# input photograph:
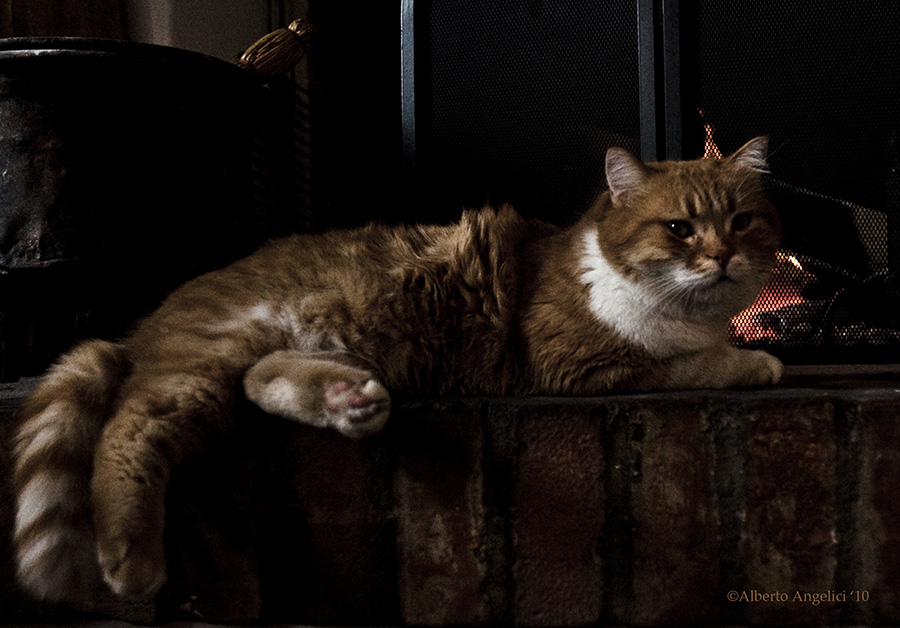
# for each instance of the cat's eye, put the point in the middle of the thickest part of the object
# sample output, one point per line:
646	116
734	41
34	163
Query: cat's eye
681	228
741	221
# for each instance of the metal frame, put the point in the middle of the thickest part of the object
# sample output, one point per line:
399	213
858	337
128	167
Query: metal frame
659	83
671	87
408	92
659	80
646	30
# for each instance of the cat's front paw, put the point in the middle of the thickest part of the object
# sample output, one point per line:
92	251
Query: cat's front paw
762	369
134	570
357	409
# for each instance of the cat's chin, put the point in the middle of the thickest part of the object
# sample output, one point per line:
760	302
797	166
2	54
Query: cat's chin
718	297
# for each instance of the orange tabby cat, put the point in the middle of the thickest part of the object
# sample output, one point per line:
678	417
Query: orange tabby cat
636	295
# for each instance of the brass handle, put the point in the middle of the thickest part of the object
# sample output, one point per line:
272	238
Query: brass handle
279	51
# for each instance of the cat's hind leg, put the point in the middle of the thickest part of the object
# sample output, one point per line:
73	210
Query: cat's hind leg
325	390
163	417
167	414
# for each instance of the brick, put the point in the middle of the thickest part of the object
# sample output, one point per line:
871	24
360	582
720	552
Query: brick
440	514
327	546
676	540
559	516
879	516
212	514
791	500
640	509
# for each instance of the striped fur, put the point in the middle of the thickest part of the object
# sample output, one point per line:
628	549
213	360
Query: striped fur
54	452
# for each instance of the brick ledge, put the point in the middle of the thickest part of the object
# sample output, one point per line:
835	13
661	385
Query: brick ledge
624	510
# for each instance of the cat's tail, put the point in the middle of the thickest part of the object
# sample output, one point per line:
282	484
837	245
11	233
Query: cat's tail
54	452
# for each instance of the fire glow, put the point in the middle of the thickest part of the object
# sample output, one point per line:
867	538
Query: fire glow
785	288
828	305
710	149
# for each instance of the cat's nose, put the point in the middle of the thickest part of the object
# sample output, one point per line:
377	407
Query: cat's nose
721	258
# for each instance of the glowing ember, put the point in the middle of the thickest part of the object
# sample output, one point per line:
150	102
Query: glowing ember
785	288
746	327
793	260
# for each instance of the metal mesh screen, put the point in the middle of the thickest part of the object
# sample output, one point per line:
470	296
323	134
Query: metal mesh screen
821	78
525	99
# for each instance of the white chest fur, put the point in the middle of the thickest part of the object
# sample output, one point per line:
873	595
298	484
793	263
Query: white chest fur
634	312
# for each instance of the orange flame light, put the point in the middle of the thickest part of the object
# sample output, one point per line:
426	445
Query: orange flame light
785	288
710	149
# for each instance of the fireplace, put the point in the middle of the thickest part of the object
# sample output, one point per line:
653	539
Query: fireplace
519	103
820	79
647	509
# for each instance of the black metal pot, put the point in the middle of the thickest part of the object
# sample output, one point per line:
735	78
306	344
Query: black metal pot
124	169
120	151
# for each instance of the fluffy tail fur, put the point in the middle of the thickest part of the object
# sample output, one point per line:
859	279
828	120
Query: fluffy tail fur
54	454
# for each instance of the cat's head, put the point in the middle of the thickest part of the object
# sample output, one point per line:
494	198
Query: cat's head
696	235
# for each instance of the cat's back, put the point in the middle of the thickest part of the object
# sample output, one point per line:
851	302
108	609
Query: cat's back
440	300
379	288
372	251
380	256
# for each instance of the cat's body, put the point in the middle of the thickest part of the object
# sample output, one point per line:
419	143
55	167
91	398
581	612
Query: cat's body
635	296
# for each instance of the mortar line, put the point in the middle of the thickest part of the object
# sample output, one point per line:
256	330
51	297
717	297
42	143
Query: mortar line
499	454
848	470
729	435
617	542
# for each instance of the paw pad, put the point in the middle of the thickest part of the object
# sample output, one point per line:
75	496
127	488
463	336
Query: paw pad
357	409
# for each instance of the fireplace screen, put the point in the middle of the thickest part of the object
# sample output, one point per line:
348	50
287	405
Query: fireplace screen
814	311
820	78
519	102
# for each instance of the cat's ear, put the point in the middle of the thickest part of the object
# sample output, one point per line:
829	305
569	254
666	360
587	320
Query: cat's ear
752	155
625	173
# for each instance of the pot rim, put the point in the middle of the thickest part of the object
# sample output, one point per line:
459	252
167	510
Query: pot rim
16	48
